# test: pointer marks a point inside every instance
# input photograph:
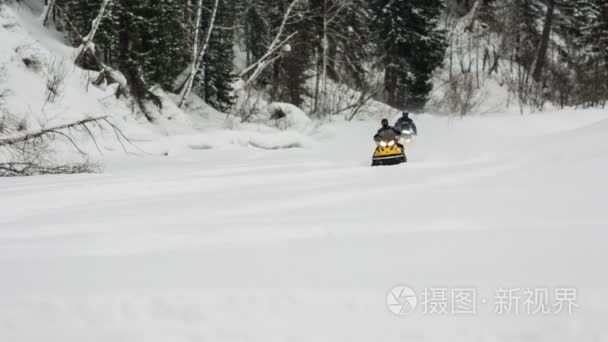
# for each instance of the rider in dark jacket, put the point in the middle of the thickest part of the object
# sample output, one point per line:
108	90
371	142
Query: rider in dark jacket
405	122
387	129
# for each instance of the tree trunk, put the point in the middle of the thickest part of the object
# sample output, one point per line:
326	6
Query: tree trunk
317	82
390	83
48	9
201	56
195	43
544	43
325	44
273	48
87	41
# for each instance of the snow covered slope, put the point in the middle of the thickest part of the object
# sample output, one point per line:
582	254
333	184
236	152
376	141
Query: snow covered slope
30	55
237	243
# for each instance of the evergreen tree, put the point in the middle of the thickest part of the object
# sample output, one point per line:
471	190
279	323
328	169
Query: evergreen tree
256	31
289	73
343	23
81	14
595	39
165	41
147	34
150	42
216	89
524	19
598	28
351	49
412	46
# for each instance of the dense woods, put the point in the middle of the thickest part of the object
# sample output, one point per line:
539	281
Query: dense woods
557	50
296	51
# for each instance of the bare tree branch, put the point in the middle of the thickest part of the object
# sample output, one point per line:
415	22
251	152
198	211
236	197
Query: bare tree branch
48	131
29	153
277	43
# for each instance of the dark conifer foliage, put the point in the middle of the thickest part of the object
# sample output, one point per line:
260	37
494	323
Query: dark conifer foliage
556	50
216	89
412	46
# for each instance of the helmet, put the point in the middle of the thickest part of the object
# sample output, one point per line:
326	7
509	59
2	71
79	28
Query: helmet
384	123
405	114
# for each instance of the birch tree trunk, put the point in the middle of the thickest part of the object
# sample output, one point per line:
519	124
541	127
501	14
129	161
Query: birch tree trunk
329	15
48	9
87	41
197	65
276	44
190	71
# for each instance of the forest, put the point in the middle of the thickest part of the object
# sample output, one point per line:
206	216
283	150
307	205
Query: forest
297	51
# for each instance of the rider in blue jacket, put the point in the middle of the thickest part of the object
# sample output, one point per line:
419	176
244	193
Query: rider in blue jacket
406	123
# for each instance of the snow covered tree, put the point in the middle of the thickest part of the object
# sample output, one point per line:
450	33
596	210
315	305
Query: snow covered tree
215	85
412	46
341	44
165	40
280	18
294	50
594	41
278	46
290	71
255	30
544	41
80	14
598	29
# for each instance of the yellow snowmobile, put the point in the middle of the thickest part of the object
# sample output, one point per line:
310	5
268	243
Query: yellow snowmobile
389	150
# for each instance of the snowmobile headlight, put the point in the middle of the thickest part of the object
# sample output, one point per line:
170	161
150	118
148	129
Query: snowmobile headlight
383	143
391	143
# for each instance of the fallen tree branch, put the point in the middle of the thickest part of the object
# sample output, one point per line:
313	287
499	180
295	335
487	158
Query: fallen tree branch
29	153
29	169
48	131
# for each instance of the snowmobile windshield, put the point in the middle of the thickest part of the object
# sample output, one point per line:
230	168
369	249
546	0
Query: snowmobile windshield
387	135
404	125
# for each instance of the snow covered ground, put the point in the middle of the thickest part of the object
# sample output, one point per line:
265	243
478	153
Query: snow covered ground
220	241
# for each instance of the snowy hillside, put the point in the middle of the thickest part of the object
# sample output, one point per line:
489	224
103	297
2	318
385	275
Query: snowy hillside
31	56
